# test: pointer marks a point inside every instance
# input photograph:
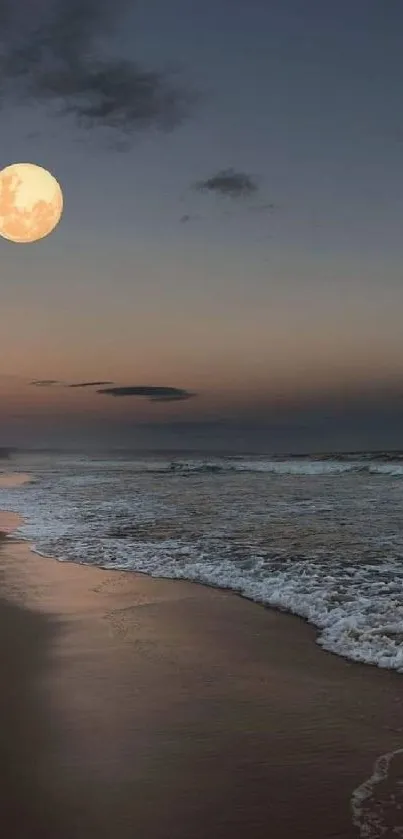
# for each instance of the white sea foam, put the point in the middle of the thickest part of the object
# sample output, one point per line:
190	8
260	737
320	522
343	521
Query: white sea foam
377	804
326	545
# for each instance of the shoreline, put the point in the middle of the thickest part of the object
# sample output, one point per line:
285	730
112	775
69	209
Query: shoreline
172	708
320	638
313	628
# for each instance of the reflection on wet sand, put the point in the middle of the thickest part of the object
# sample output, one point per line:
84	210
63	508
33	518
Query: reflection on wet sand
27	806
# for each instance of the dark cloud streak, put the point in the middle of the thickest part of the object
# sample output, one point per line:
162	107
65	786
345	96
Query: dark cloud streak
57	383
47	383
89	384
154	394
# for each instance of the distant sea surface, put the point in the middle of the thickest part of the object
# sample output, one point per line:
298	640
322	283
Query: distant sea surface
320	536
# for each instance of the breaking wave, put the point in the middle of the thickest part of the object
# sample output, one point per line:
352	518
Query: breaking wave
321	538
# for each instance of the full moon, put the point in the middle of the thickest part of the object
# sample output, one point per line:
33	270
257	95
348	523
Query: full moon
31	202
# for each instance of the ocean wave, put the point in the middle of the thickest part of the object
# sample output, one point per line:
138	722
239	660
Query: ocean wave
281	467
372	463
329	551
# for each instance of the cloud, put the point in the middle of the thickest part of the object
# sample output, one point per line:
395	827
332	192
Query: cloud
48	383
229	184
154	394
57	383
88	384
51	52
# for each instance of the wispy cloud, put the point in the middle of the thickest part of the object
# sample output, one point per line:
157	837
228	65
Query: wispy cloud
51	52
154	394
88	384
47	383
58	383
229	183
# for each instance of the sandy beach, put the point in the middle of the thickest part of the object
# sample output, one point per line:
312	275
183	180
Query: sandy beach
138	707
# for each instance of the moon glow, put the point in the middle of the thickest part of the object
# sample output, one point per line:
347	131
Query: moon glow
31	202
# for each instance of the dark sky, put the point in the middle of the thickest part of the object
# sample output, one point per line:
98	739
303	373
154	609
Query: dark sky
232	178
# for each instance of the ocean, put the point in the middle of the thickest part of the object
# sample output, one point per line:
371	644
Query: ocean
320	536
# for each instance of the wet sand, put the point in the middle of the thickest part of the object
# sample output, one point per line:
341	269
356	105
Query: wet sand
137	707
13	480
